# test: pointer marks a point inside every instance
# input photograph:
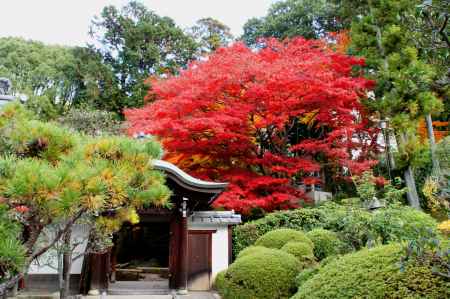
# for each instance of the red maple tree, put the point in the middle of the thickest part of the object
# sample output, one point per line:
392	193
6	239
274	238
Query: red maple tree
265	120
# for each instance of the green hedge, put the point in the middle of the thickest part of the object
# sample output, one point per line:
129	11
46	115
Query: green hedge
247	234
356	227
302	251
269	274
279	237
326	243
252	250
373	273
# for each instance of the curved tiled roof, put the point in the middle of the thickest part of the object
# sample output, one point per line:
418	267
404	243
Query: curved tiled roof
187	181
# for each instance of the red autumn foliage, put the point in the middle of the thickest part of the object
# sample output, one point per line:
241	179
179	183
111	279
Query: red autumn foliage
266	121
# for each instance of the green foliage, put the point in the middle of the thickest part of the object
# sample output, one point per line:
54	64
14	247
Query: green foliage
374	273
365	186
302	251
306	274
430	250
299	219
92	122
261	275
134	44
47	75
289	18
59	176
326	243
12	112
35	139
401	223
279	237
210	34
12	252
354	226
443	153
253	250
404	79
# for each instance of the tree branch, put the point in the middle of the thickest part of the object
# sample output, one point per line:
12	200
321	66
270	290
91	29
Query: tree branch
58	236
442	33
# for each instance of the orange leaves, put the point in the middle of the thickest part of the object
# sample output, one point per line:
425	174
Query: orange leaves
441	130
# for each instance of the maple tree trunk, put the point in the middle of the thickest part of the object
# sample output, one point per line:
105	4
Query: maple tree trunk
434	159
67	265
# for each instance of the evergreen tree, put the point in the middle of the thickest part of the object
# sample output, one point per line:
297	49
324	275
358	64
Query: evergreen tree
403	93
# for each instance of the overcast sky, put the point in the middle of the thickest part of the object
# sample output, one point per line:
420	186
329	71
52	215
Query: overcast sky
67	21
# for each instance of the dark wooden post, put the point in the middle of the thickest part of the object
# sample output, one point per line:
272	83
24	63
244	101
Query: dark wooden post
184	248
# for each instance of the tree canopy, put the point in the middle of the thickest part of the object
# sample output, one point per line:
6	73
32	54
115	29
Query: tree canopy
290	18
137	43
267	121
210	34
50	175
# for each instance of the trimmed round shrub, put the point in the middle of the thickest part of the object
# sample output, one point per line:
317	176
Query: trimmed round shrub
305	275
299	219
252	250
302	251
279	237
219	280
326	243
374	273
261	275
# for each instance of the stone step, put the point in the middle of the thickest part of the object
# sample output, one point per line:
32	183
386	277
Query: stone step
139	288
133	292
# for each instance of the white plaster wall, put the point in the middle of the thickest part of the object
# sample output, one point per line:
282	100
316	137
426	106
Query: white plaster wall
219	246
48	263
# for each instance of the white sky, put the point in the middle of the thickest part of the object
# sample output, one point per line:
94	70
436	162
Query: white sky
67	21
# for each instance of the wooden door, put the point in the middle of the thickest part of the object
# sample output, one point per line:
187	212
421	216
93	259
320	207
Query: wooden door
199	260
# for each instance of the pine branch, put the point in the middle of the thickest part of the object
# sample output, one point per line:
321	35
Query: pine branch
58	236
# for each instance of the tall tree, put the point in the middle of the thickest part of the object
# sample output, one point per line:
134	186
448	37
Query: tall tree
137	43
404	79
266	120
44	74
289	18
210	34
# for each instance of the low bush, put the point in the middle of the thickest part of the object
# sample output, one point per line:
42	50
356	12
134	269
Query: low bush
270	274
279	237
302	251
326	243
401	223
374	273
299	219
305	275
252	250
356	227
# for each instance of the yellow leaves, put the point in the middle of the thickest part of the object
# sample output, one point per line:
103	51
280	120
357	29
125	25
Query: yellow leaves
430	191
444	227
107	174
309	117
413	108
129	215
185	162
94	202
